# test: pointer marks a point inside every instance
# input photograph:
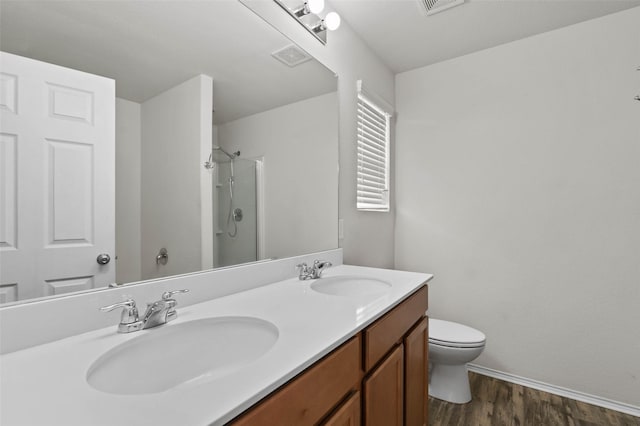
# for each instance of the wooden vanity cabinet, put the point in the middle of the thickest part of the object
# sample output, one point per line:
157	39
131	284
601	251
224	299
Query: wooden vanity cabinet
379	377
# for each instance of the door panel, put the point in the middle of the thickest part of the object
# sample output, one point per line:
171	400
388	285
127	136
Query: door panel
70	103
8	191
70	193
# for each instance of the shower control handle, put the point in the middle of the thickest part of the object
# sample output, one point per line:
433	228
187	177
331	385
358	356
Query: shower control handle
163	257
237	214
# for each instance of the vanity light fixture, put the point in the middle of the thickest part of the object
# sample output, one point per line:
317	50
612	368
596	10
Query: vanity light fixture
331	22
310	6
307	15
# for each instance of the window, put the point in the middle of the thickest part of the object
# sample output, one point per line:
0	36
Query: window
373	154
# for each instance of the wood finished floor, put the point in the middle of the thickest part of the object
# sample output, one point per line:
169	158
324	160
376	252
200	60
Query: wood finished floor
498	403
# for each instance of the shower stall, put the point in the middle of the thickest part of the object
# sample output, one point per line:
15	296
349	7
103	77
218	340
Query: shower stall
235	207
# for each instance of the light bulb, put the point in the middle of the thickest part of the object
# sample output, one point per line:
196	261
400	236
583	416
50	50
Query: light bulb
315	6
332	21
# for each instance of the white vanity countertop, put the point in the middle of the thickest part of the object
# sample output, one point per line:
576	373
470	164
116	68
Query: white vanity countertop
46	384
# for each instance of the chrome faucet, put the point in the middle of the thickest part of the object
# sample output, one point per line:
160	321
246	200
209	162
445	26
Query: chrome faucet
161	311
312	272
157	313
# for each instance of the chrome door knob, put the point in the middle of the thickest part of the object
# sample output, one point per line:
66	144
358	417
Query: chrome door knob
103	259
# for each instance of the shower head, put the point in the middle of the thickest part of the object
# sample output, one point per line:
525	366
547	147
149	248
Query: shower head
231	156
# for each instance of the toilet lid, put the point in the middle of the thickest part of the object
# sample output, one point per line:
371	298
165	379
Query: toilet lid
453	334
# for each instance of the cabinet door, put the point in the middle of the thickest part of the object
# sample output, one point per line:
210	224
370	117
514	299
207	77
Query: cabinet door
348	414
384	392
416	345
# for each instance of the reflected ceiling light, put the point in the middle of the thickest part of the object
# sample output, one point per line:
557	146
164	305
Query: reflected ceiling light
310	6
331	22
315	6
307	16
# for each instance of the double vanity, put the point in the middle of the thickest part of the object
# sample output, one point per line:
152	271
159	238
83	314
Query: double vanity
349	345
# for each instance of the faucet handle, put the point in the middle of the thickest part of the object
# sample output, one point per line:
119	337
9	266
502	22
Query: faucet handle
129	303
171	303
129	313
304	268
305	271
319	266
129	320
168	294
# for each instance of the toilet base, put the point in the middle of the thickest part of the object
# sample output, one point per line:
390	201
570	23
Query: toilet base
450	383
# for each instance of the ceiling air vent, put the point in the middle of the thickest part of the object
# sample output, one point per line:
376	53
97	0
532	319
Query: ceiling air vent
435	6
291	55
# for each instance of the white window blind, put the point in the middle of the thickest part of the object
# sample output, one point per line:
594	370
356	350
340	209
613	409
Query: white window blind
373	155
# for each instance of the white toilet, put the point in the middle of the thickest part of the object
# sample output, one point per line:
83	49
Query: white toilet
451	347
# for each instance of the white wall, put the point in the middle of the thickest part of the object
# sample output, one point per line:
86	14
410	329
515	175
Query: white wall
368	236
206	181
300	151
518	186
175	125
128	141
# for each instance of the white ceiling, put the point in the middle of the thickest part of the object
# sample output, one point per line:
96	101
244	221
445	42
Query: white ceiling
404	37
151	46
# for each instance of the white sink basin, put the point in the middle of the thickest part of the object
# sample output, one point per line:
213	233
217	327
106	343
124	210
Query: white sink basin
164	358
351	286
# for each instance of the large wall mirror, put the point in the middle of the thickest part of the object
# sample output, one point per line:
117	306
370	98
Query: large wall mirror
217	145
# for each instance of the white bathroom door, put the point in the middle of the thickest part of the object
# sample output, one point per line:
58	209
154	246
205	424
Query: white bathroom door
57	179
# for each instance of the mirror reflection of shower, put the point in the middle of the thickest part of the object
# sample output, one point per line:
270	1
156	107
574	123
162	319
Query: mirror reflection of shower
235	215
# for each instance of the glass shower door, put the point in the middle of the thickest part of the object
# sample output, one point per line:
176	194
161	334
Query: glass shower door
235	217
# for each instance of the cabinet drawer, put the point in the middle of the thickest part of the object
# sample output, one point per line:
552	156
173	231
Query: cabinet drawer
380	337
310	396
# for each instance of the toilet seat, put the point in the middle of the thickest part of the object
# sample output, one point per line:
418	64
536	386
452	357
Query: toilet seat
456	345
454	335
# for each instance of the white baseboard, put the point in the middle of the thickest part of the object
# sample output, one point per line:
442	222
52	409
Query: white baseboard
557	390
